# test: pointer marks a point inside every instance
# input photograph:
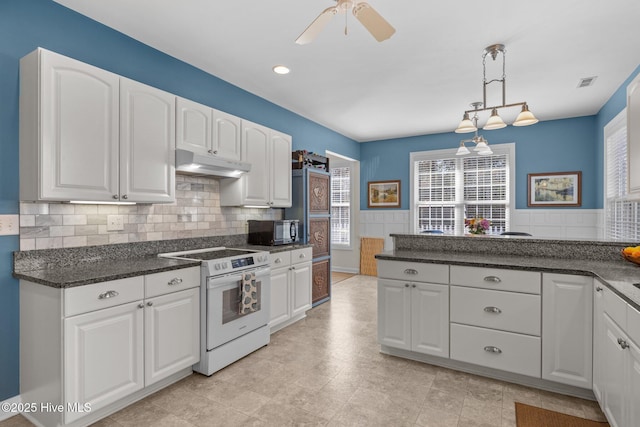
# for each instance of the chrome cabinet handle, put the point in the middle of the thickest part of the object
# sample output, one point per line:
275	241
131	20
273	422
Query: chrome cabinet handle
623	343
150	303
598	289
303	256
406	285
492	349
115	196
494	279
410	271
494	310
108	294
174	281
125	197
141	305
277	261
413	286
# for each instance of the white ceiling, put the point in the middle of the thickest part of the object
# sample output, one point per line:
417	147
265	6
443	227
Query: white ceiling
419	81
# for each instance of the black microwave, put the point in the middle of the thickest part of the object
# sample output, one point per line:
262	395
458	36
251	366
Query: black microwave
273	232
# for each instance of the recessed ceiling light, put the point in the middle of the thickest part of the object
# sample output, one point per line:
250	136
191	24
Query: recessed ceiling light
281	69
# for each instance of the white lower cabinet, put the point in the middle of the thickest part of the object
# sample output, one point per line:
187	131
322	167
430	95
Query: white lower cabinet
117	338
414	316
617	359
290	287
567	329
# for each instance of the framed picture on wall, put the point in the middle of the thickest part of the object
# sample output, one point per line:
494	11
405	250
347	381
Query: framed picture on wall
555	189
384	194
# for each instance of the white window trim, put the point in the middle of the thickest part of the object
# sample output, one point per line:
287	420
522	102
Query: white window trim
354	166
509	149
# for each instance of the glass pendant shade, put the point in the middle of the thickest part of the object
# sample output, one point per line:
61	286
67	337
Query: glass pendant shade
495	121
525	118
486	152
462	150
466	125
481	146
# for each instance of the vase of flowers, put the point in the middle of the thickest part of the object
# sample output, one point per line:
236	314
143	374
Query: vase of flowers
477	225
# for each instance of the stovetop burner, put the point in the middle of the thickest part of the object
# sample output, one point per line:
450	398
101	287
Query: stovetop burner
216	254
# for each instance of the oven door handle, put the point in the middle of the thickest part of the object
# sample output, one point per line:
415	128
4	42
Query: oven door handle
213	282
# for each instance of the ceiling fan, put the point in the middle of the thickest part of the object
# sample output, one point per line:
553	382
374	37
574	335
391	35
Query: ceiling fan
379	28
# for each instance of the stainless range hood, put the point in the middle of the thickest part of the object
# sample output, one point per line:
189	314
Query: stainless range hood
192	163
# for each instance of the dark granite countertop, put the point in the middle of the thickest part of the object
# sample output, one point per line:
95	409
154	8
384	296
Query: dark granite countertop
620	275
66	268
88	273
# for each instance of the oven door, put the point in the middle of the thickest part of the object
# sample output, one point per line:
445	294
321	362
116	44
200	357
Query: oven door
224	321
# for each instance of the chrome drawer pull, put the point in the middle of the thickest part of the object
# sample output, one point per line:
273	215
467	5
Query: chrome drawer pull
492	349
410	271
108	294
495	310
277	261
598	289
623	343
174	281
494	279
303	256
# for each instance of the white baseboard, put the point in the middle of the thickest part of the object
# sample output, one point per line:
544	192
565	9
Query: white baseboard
14	400
345	270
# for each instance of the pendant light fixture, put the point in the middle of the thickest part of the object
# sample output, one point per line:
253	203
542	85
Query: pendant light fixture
482	145
525	118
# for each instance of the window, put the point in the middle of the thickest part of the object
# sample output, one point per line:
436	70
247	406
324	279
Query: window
449	188
622	217
341	206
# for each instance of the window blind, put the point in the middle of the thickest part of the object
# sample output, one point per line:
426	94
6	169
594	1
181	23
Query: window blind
341	205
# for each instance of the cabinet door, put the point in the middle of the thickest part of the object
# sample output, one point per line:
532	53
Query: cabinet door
567	316
430	319
147	143
394	313
633	137
172	334
319	193
633	390
320	236
280	184
598	340
79	131
255	150
613	373
321	281
227	135
193	126
103	356
301	288
280	299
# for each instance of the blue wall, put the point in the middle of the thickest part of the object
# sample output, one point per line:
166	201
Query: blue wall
27	24
552	146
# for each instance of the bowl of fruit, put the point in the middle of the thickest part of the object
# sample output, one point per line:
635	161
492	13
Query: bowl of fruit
632	254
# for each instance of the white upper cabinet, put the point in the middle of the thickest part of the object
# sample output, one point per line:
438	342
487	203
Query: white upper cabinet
68	129
88	134
204	130
268	183
633	137
147	141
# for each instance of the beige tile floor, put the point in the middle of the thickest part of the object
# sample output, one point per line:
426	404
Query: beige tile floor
327	370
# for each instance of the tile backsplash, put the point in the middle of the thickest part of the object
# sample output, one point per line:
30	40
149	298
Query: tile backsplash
195	213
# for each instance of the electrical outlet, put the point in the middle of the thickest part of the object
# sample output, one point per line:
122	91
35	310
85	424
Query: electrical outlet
9	225
115	222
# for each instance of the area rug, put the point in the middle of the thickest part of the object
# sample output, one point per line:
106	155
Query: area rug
531	416
339	277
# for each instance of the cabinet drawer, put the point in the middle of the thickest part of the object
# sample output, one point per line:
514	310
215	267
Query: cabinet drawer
83	299
301	255
496	349
280	259
413	271
496	278
507	311
614	306
171	281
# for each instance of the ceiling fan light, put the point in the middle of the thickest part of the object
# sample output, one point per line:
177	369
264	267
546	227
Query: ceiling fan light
466	125
495	121
525	118
462	150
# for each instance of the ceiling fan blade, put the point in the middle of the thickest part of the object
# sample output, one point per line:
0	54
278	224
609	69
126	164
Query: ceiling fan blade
316	26
379	28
